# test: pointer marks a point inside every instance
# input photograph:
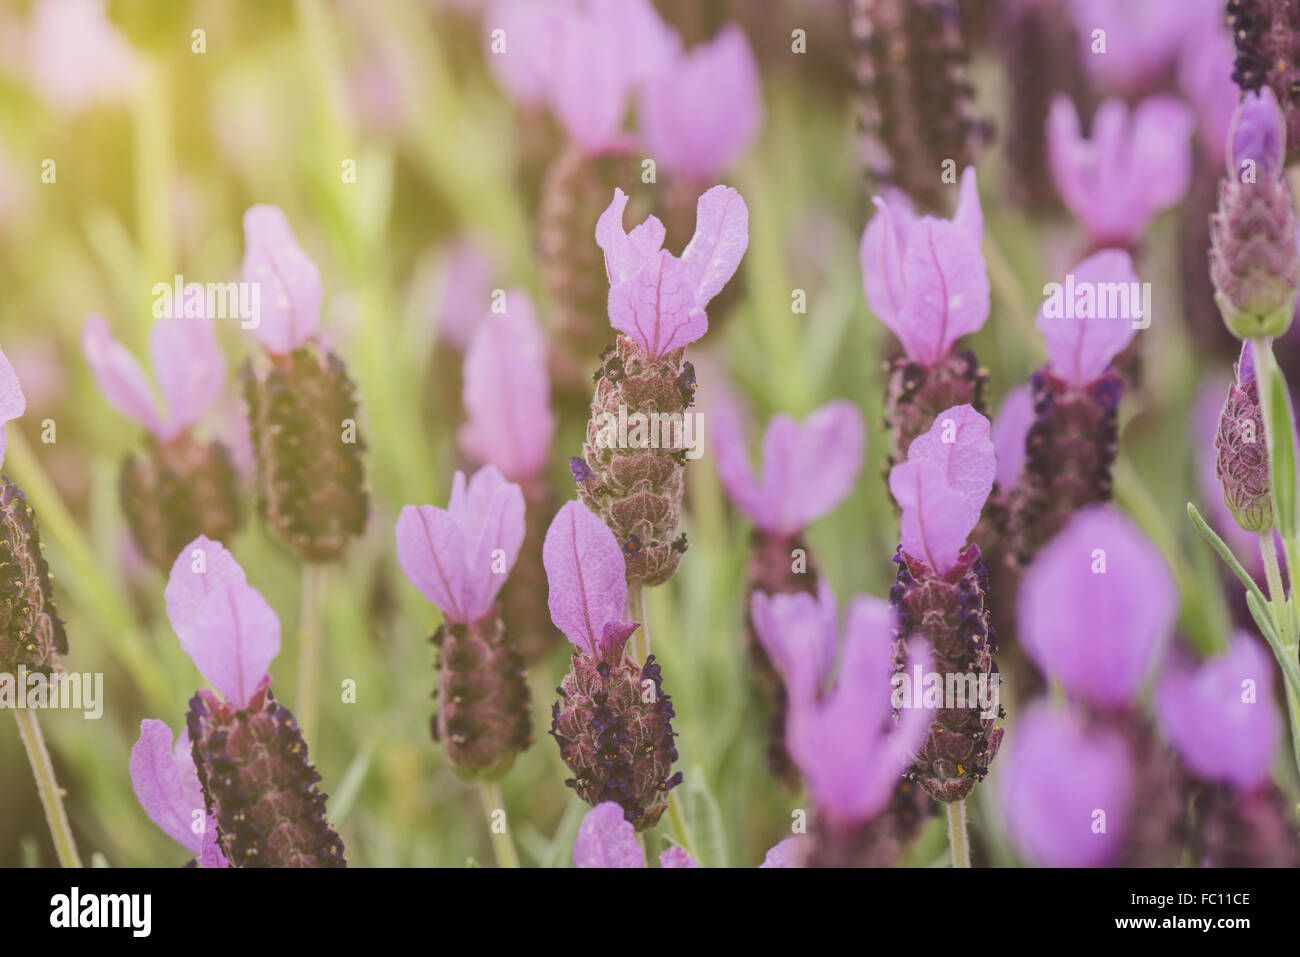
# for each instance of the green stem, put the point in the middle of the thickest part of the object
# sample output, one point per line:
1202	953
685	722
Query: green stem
48	787
502	845
1273	575
309	650
957	835
678	823
636	612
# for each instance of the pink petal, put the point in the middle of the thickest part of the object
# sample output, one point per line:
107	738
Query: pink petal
969	215
882	266
1081	348
494	523
828	461
224	624
657	308
431	553
524	68
727	435
166	784
606	839
721	237
507	392
590	83
958	445
1010	429
799	634
12	401
119	374
677	856
290	293
587	577
947	293
1068	153
190	368
787	853
936	519
626	254
1162	130
703	110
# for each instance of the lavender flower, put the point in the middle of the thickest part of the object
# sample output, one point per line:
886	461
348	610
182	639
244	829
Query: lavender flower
925	279
509	424
1254	263
178	486
31	632
459	558
257	782
606	840
657	302
1132	167
613	720
847	745
942	590
1071	446
1143	38
1068	791
915	110
806	471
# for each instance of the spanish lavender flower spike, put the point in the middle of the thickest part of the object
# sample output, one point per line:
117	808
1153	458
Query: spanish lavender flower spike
459	558
942	590
1072	444
926	280
301	404
1267	34
178	486
1254	263
1130	168
252	764
1241	451
1221	720
32	633
1095	611
616	741
915	101
1068	791
852	753
806	471
167	786
509	423
657	301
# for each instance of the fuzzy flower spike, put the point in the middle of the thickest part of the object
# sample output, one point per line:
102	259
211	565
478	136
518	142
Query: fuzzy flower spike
459	558
301	404
262	807
178	486
641	430
1254	263
942	592
613	721
926	280
806	470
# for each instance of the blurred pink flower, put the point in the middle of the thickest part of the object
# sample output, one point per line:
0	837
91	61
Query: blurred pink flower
76	56
290	282
1082	342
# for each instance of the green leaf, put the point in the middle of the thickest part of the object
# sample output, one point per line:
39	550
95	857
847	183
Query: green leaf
1225	553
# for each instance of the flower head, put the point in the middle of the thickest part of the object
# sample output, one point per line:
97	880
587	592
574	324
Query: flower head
1133	166
925	278
806	470
187	363
1067	791
459	557
703	108
1219	717
1096	607
943	485
507	394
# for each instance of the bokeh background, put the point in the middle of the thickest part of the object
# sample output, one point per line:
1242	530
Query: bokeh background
158	152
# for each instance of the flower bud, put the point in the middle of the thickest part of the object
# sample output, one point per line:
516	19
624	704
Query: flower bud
1241	451
311	482
174	491
258	783
483	704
